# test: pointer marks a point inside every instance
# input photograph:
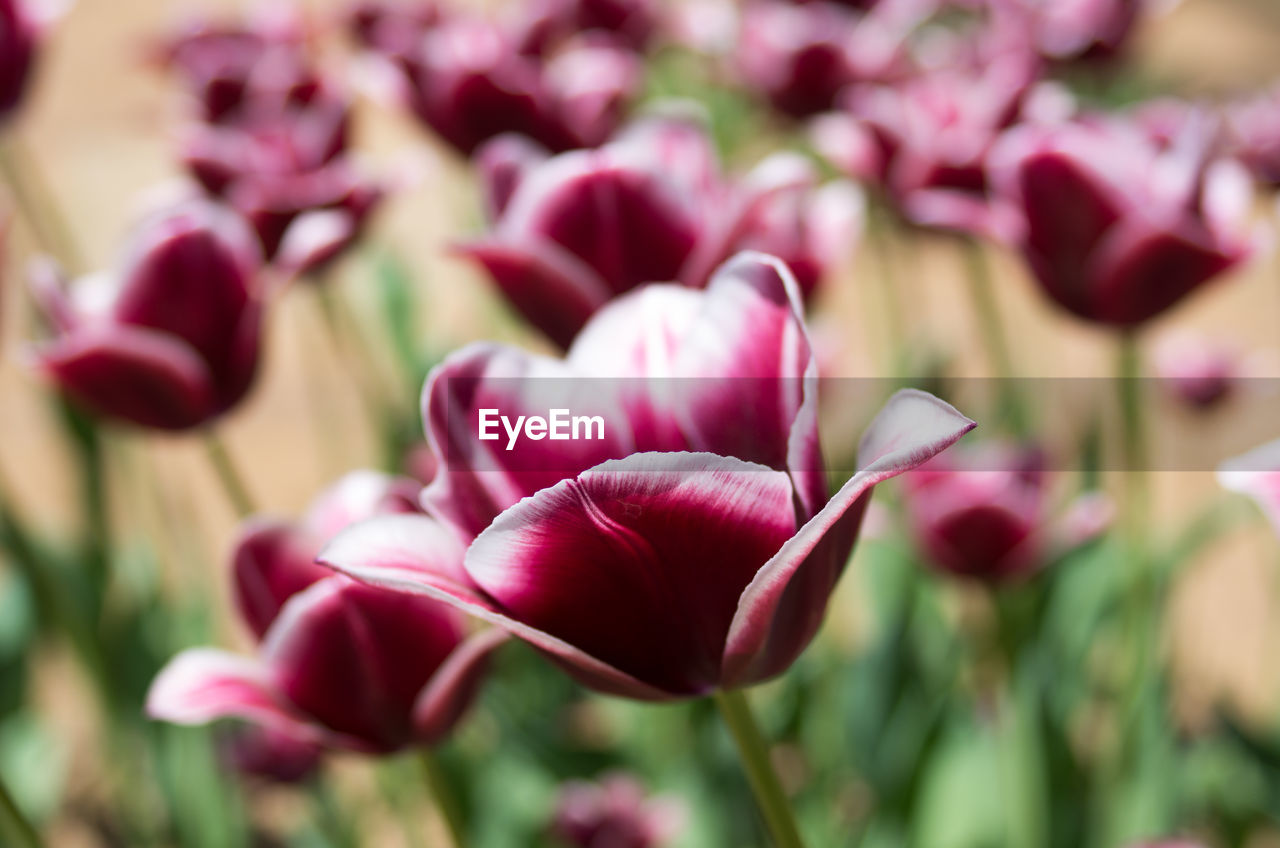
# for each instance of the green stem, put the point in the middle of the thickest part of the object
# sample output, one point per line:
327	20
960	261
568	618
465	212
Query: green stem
994	338
15	823
445	799
231	479
348	346
754	754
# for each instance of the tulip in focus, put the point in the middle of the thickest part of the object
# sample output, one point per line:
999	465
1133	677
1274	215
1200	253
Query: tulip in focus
339	663
614	813
693	548
170	339
669	214
984	514
1118	226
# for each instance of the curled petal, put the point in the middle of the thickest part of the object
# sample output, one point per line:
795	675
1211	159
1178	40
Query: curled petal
314	239
132	374
454	685
781	608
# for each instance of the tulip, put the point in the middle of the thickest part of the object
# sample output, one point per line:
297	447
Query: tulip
1201	374
925	140
467	79
392	27
614	812
984	514
1117	226
669	214
705	494
270	753
340	664
549	23
1076	31
1256	474
798	57
1253	131
169	340
21	28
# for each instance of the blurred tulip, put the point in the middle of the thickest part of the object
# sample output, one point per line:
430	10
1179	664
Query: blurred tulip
614	813
467	79
20	33
798	57
984	513
548	24
1256	474
170	340
1076	30
709	498
392	27
270	753
340	663
1118	226
1253	133
669	214
1201	374
925	140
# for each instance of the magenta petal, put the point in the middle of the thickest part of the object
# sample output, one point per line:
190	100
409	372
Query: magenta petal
1257	474
479	479
751	351
501	165
1141	273
396	552
639	561
551	288
132	374
271	563
354	657
783	606
314	239
204	684
453	687
621	219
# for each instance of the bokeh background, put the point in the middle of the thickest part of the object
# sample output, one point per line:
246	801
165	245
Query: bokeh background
100	124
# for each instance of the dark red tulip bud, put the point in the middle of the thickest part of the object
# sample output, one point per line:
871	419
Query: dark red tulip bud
1119	226
170	339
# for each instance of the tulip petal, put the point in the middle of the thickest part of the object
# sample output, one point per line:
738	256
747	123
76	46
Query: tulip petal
204	684
753	361
355	657
639	561
132	374
272	562
621	219
783	606
1141	273
550	287
454	685
313	239
398	552
479	479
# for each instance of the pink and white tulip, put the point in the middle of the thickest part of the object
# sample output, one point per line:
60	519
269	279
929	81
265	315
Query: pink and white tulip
169	340
707	493
340	664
